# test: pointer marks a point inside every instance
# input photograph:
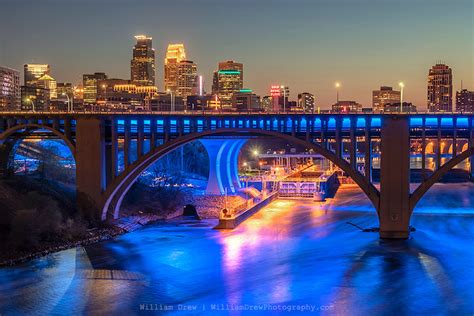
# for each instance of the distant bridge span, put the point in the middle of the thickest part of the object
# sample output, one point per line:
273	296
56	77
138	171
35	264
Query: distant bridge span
93	139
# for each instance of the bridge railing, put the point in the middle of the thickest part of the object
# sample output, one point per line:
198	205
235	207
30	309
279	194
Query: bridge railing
219	112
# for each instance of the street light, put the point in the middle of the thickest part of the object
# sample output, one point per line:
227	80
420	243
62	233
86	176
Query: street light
104	87
255	153
338	85
402	85
69	104
200	86
284	98
218	106
32	104
260	164
172	99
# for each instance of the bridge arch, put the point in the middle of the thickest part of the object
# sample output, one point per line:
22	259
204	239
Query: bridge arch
8	145
117	189
420	191
30	128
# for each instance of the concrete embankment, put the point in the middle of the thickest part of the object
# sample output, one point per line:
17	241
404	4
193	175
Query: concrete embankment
231	223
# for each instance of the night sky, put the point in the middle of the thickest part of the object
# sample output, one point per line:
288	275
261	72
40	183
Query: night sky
307	45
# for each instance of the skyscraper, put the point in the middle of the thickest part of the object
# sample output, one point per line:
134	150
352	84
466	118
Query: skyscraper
346	107
465	101
440	89
384	96
174	55
306	102
246	100
9	89
63	89
90	83
34	95
33	72
228	79
34	98
186	78
280	94
142	65
49	83
266	103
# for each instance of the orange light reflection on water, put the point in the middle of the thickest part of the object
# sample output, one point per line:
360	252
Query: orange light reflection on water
246	241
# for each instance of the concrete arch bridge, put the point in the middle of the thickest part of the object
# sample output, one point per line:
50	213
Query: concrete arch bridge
93	140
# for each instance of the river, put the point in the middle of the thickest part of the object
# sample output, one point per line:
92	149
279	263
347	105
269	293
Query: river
293	255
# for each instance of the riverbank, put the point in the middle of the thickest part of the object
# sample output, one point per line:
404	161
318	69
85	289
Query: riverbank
207	207
12	258
117	228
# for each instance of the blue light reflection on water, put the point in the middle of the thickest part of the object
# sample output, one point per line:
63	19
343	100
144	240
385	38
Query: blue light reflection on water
293	252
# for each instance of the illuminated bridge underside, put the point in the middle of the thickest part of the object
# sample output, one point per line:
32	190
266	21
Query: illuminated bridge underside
94	138
223	165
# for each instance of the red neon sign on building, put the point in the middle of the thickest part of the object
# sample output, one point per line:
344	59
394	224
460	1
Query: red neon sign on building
275	91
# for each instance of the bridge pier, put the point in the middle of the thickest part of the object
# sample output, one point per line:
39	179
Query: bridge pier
394	208
5	153
470	144
90	163
223	164
471	168
368	151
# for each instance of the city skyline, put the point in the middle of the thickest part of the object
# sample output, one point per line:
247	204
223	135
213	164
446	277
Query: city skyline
311	60
236	157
